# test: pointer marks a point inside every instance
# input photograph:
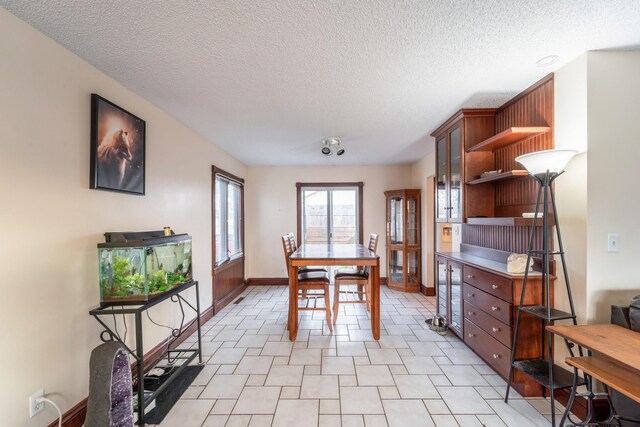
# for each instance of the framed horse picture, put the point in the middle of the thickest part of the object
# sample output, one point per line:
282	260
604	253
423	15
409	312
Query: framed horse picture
117	148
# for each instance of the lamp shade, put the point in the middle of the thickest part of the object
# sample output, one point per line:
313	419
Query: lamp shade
553	161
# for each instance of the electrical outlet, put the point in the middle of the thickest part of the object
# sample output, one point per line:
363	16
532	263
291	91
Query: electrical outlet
36	407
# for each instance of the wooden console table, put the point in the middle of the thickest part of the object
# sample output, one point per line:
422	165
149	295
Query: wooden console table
613	360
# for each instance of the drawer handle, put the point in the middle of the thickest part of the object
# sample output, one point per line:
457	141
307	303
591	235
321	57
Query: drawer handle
494	308
471	313
496	356
496	329
472	335
495	287
471	295
470	276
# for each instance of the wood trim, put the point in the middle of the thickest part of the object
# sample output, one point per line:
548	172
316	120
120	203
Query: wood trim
219	304
267	281
217	170
463	113
426	291
301	185
228	298
153	355
76	415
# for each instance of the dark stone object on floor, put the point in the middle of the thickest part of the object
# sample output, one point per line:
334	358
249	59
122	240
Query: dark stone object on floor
110	393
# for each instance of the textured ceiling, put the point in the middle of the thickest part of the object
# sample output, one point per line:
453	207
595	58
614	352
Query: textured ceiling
267	80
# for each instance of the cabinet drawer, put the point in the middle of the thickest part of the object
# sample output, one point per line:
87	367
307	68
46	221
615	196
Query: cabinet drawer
489	324
494	353
500	287
496	307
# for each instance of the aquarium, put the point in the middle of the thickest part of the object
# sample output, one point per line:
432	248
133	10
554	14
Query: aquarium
136	267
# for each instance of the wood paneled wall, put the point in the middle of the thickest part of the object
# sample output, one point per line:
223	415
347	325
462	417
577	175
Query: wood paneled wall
533	107
508	239
228	283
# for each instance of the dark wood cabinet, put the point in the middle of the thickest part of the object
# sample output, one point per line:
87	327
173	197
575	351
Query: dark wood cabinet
492	225
480	306
454	200
450	293
404	240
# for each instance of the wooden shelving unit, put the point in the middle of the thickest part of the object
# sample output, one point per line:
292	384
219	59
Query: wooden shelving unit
509	136
504	176
508	221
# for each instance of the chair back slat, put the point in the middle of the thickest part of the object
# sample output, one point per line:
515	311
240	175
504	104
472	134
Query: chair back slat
373	246
292	241
373	242
286	247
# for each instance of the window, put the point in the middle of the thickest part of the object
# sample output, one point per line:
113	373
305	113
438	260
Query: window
228	216
330	213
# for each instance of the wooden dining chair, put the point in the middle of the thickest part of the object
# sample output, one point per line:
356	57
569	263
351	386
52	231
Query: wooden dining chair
353	276
310	281
294	246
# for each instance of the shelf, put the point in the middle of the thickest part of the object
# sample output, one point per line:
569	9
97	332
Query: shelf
517	221
508	137
538	370
504	176
541	312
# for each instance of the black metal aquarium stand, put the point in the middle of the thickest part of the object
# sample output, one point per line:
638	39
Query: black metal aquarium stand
186	355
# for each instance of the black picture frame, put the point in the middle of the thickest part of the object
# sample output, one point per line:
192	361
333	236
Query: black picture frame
118	148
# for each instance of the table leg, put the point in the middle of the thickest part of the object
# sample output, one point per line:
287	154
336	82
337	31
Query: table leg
375	300
293	303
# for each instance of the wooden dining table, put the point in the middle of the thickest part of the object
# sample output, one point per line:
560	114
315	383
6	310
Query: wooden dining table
334	255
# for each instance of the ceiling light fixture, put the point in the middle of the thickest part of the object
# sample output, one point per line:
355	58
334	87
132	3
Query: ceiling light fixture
331	145
547	60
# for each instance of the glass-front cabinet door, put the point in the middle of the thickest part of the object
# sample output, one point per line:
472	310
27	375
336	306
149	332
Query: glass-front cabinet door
396	219
442	202
396	266
455	292
449	167
441	286
413	268
403	240
455	175
413	209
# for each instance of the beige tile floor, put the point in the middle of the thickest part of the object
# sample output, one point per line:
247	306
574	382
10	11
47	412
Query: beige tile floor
411	377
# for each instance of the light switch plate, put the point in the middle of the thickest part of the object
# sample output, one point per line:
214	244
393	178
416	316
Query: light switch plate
613	243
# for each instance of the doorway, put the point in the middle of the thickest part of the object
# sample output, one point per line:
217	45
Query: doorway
329	213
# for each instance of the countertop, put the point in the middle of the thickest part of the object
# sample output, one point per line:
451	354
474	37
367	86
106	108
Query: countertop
484	263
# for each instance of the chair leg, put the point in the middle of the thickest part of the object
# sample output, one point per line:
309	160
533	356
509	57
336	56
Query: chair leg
360	289
368	291
336	301
327	305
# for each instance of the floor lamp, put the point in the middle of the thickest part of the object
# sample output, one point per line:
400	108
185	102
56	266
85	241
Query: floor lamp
545	167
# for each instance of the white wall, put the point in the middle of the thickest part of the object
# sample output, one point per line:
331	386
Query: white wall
597	109
51	220
570	106
613	106
270	200
420	171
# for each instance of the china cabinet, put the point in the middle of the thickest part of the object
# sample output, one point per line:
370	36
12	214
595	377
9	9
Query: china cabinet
403	240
